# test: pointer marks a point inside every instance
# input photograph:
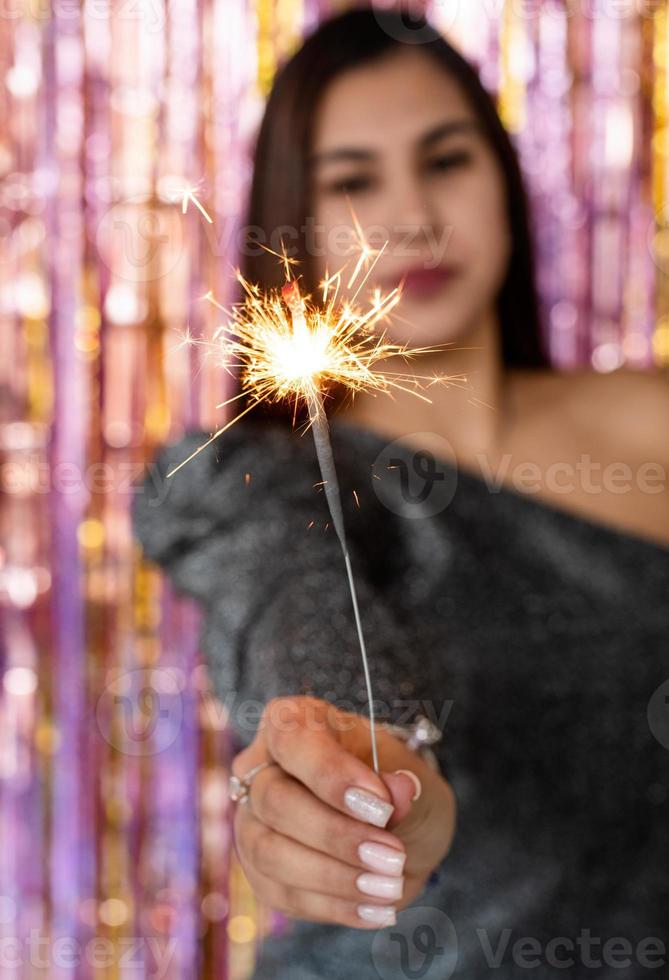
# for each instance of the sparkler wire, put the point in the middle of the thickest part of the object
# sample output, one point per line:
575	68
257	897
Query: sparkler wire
320	431
297	355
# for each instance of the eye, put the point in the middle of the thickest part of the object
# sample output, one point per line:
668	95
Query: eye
449	161
351	185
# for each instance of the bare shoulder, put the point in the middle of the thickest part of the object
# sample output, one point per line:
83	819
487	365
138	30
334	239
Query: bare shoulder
629	406
651	385
626	409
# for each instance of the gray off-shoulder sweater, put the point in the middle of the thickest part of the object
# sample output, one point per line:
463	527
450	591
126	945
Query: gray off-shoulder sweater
537	639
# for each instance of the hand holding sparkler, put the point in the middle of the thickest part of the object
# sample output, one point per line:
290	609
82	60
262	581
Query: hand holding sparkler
320	836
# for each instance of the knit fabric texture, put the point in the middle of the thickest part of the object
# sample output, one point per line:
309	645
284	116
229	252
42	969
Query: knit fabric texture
537	639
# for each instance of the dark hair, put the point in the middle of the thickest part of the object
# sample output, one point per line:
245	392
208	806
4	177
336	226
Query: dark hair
280	182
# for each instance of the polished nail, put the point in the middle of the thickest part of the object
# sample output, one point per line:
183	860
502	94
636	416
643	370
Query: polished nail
416	781
379	857
382	915
365	806
380	886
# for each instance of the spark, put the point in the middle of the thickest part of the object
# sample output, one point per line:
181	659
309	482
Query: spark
187	339
366	251
290	348
209	296
286	260
188	194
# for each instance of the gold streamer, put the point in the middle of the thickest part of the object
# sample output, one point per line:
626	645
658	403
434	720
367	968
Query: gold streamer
511	95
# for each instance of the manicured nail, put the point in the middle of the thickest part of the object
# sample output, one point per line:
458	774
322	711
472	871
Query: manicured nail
416	781
365	806
382	858
380	886
382	915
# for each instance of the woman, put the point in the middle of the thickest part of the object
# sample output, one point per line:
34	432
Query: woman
510	540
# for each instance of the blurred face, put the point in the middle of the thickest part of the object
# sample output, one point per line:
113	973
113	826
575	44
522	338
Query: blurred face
397	142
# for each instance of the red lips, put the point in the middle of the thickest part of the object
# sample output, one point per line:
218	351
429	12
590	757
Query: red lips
420	281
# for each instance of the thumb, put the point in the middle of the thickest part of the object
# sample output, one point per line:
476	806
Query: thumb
405	788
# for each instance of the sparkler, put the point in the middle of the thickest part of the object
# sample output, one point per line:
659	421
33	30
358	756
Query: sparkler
291	348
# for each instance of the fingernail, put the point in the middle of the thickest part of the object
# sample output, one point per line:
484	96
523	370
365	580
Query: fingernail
380	886
382	915
379	857
416	781
372	809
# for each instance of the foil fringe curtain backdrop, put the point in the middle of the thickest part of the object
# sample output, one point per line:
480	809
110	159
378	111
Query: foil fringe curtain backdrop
115	852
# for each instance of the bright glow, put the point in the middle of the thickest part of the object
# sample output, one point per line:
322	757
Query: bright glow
241	929
113	912
22	81
91	534
123	305
292	348
30	296
20	585
619	136
20	681
607	357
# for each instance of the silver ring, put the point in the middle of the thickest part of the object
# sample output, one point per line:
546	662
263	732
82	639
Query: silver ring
422	732
418	736
239	786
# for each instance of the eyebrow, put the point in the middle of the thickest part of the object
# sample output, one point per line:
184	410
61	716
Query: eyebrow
438	132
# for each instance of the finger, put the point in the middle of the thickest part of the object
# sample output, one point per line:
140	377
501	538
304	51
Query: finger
405	789
316	907
249	757
302	734
291	863
285	805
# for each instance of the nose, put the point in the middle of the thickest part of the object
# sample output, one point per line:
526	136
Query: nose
413	218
